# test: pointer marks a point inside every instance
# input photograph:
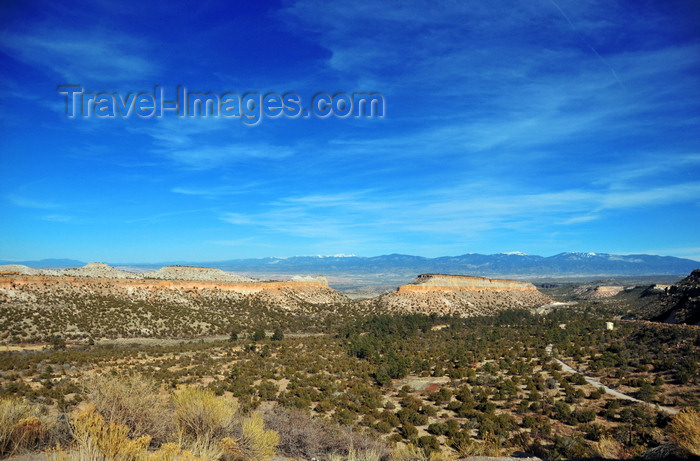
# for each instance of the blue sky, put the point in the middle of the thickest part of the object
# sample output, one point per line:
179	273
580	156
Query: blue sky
536	126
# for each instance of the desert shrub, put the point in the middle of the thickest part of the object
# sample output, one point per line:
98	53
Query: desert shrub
258	334
569	447
383	427
301	436
99	440
465	446
201	416
609	448
257	443
584	415
22	427
96	440
353	455
429	443
267	390
437	428
409	431
277	335
685	431
411	452
206	430
133	401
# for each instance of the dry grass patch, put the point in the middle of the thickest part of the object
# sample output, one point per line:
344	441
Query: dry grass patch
411	452
22	427
202	416
301	436
133	401
609	448
685	431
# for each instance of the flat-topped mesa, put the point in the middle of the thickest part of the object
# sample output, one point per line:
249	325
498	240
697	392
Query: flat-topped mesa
16	269
442	282
100	277
178	275
195	273
599	291
100	301
191	287
461	295
93	270
608	291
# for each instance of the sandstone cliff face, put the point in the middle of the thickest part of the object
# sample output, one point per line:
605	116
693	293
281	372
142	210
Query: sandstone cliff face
439	282
195	273
242	287
462	295
105	271
172	284
287	295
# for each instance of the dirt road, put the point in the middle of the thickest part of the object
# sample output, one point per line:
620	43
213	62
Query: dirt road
619	395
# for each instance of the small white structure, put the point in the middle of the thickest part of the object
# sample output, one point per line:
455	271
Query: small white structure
562	326
609	325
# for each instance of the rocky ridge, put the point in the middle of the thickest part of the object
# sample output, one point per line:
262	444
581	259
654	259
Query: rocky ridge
680	303
104	279
99	301
599	291
465	296
102	270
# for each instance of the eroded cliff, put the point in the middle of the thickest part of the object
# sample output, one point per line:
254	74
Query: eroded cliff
98	301
461	295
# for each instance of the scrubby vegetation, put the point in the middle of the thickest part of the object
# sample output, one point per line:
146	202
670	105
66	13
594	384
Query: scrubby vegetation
86	317
337	381
364	386
685	431
23	426
194	424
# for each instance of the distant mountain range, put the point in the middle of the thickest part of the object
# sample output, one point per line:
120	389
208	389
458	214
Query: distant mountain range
511	264
47	263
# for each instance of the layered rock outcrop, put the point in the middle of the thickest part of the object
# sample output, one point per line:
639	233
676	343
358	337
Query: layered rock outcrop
98	301
462	295
438	282
169	284
106	271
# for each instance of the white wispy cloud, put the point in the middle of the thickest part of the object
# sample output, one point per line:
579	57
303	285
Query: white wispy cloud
377	214
215	192
79	56
580	219
26	202
213	156
646	166
206	143
675	193
177	133
157	217
57	218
